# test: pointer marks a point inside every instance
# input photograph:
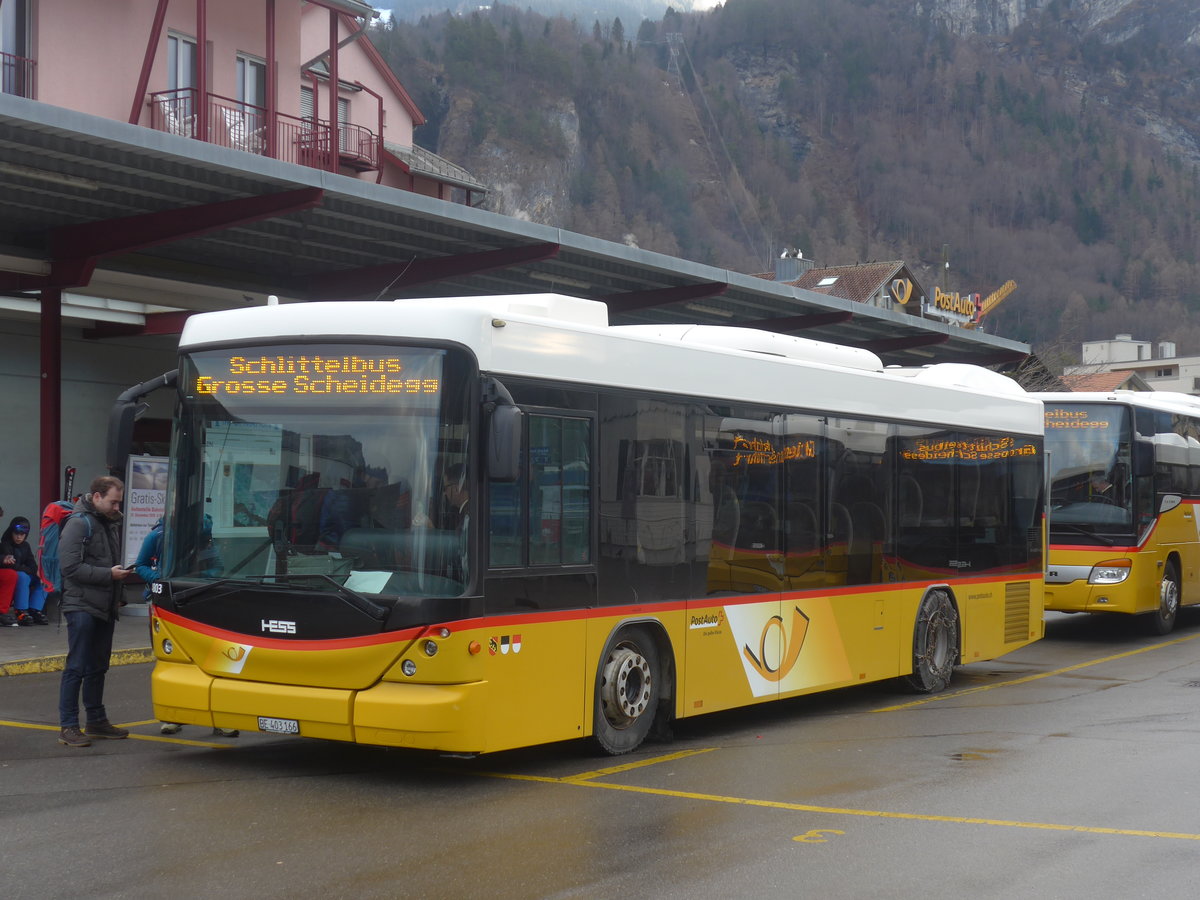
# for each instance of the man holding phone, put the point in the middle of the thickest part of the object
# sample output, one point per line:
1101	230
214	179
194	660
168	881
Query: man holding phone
89	550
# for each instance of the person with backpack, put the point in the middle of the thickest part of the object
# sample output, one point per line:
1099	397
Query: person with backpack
89	551
29	596
149	567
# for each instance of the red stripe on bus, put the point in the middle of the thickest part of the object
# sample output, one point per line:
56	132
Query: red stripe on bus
568	615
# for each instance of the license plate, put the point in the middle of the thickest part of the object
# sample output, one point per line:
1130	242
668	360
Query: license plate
278	726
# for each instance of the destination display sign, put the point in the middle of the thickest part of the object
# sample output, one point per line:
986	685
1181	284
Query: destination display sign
754	450
1079	417
334	375
981	449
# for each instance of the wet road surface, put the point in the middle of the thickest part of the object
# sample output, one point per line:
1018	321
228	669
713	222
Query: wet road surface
1064	770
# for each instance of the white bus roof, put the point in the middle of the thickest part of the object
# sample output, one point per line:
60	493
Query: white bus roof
1164	401
568	339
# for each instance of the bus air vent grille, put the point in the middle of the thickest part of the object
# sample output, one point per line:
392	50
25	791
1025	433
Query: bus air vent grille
1016	612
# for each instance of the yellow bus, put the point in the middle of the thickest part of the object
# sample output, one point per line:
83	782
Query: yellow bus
474	524
1124	483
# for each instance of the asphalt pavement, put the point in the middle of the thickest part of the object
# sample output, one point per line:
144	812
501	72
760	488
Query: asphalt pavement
43	648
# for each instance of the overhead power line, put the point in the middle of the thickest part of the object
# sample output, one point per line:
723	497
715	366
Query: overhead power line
675	39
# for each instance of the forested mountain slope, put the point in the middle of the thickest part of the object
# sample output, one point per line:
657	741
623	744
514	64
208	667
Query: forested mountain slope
1057	147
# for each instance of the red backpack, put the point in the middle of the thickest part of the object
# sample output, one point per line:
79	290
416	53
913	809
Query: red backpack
54	516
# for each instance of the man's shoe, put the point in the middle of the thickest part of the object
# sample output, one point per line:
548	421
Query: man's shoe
106	730
8	621
39	617
73	737
226	732
24	618
171	728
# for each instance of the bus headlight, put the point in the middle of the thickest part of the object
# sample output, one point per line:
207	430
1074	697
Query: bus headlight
168	647
431	648
408	667
1111	571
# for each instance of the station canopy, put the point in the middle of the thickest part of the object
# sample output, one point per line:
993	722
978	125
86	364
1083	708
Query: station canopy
104	209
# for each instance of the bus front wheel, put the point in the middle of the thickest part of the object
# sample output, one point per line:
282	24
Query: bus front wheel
1162	620
935	644
628	690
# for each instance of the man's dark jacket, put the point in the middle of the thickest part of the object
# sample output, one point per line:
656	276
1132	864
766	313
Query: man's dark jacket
87	562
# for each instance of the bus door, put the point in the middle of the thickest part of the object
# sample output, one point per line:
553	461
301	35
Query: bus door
847	608
736	637
1176	443
540	563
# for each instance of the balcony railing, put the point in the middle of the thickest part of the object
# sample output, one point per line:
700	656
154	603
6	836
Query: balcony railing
17	76
243	126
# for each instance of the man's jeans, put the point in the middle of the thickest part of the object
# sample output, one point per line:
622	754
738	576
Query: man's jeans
89	646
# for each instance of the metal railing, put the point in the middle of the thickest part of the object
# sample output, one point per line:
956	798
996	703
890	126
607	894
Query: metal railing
244	126
17	76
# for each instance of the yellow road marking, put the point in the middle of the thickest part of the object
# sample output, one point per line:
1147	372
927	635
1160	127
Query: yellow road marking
838	811
135	737
954	695
613	770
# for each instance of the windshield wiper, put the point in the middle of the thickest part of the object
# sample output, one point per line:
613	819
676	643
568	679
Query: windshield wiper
353	598
181	597
1079	529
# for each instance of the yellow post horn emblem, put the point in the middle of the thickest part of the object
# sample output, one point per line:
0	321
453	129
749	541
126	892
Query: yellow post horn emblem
792	646
901	289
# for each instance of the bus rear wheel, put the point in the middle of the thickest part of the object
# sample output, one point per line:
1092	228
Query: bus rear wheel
935	644
628	690
1162	620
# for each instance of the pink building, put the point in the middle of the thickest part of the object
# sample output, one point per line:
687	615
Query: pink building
293	80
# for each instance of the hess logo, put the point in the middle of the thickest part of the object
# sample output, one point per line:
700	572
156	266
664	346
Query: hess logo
278	626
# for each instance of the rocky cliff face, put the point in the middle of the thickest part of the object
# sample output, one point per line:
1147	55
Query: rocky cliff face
522	184
987	17
1113	21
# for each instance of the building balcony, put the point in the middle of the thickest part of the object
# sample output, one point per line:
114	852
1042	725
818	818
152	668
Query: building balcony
17	76
243	126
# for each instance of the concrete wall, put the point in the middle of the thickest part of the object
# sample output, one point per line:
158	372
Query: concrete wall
1119	349
94	373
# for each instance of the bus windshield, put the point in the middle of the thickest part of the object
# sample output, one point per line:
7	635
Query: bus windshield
305	463
1091	484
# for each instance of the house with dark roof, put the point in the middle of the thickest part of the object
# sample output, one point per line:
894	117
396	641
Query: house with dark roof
885	285
1103	382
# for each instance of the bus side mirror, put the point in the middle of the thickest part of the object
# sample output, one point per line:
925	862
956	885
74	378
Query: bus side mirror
1143	458
130	407
504	443
120	434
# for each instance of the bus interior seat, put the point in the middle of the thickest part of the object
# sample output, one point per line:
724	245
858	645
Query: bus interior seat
910	502
803	533
864	557
759	528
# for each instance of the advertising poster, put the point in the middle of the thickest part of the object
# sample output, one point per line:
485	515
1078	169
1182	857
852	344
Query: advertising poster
145	500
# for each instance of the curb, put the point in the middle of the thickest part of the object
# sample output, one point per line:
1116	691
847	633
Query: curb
56	663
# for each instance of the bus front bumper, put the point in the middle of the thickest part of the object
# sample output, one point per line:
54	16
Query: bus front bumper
446	717
1068	590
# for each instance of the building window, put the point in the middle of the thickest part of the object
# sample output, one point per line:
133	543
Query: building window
252	81
1164	373
179	105
16	71
247	124
181	62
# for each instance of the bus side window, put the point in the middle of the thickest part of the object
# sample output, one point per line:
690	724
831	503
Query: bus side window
559	484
